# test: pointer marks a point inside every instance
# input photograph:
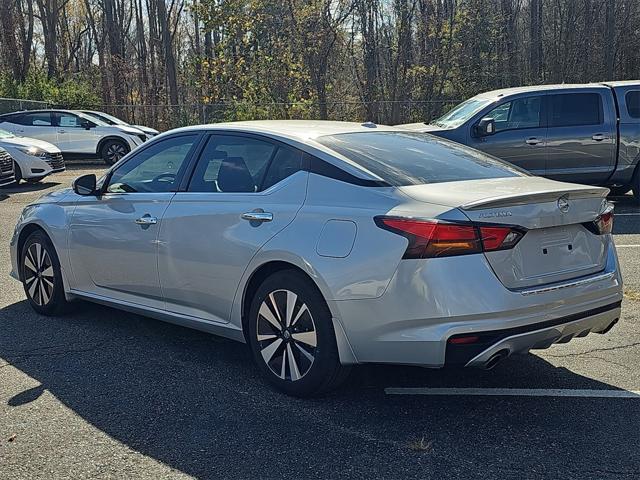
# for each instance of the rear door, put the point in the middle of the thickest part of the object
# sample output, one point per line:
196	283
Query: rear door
520	136
243	191
34	124
581	137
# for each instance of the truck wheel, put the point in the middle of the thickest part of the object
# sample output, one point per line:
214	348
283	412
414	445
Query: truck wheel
636	185
113	150
619	191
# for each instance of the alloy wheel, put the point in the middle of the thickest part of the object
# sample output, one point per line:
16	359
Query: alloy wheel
286	335
38	274
115	152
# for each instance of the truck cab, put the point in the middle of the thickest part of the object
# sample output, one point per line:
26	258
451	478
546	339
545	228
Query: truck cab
577	133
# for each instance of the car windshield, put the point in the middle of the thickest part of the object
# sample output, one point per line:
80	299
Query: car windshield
408	158
105	117
92	118
461	113
5	134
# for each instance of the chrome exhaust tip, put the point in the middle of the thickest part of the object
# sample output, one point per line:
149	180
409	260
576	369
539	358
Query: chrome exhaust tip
495	359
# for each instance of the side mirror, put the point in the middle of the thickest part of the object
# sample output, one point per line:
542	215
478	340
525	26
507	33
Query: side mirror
87	125
486	127
85	185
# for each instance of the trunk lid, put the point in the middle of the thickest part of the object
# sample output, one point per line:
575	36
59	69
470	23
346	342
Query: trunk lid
556	247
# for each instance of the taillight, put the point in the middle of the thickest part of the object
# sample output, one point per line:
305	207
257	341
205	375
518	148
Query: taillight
428	239
604	223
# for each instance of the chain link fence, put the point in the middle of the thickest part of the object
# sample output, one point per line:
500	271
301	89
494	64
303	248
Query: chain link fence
166	117
8	105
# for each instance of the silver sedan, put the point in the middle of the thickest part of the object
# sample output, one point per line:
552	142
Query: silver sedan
327	244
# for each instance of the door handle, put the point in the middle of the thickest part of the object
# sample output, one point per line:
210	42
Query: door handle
257	216
147	220
62	131
598	137
533	141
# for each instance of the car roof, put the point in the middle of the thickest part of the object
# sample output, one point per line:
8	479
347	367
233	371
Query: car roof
504	92
294	129
43	110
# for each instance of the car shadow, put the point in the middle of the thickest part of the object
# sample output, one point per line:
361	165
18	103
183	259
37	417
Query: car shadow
195	402
23	187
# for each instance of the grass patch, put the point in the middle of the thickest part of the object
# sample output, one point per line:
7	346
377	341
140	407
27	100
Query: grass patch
632	295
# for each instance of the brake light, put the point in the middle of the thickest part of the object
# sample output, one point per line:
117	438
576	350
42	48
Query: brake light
605	223
602	225
429	239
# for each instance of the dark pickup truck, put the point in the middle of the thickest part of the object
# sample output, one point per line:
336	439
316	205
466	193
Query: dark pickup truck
576	133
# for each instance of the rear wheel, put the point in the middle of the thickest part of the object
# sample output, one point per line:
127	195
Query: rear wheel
41	275
635	184
291	336
113	150
619	191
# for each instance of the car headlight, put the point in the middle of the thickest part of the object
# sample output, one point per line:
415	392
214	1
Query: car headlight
33	151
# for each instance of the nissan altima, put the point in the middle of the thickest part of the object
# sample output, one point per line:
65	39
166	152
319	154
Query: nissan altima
328	244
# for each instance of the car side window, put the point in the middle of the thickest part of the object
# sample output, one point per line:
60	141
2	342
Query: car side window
517	114
37	119
232	164
68	120
156	169
285	163
575	109
632	99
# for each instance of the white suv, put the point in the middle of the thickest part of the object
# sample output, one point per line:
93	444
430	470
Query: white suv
75	133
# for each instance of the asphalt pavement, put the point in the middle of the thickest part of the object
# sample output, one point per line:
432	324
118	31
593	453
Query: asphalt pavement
101	393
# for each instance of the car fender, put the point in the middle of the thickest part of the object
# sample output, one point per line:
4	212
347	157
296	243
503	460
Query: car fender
52	218
119	138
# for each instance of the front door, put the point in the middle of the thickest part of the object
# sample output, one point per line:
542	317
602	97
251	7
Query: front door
244	190
72	135
113	237
520	135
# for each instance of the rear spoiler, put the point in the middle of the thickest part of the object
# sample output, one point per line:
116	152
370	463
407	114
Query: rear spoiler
510	200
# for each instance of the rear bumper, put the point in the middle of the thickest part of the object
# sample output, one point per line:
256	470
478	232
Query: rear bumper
427	303
537	336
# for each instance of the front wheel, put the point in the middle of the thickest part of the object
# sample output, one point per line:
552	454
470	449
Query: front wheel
291	336
41	275
113	150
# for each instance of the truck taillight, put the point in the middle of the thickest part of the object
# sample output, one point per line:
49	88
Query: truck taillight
429	239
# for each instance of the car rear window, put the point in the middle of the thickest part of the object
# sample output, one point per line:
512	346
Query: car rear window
632	99
410	158
575	109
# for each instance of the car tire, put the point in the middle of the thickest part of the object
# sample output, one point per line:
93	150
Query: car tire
17	172
635	185
113	150
42	276
619	191
295	350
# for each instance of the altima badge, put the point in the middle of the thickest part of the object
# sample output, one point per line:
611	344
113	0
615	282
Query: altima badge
563	204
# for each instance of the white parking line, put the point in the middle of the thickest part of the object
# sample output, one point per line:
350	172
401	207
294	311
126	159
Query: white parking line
627	246
514	392
626	214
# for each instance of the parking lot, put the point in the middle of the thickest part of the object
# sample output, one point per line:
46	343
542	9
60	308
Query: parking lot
104	393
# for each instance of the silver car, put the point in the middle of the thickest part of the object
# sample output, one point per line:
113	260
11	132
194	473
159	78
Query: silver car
327	244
